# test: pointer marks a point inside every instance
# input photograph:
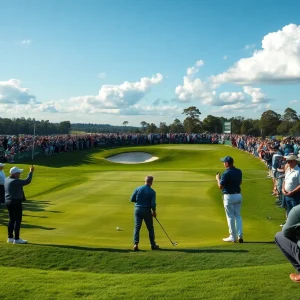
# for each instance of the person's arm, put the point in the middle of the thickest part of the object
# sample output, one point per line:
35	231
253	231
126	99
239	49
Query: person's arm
133	196
220	181
29	177
153	204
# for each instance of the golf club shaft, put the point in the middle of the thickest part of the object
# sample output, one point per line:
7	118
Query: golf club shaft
164	231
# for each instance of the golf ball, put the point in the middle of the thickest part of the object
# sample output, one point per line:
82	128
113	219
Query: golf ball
118	228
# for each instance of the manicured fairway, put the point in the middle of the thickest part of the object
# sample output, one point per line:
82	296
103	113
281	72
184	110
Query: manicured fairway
77	200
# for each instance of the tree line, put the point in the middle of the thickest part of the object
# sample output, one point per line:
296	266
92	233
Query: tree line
17	126
270	123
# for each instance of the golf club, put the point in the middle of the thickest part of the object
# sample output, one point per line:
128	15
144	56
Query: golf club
173	243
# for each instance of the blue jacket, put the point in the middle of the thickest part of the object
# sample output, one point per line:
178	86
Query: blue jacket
144	196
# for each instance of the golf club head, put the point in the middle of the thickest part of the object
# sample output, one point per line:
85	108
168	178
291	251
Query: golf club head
175	244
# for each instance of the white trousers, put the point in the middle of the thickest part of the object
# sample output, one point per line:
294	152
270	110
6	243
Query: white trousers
232	205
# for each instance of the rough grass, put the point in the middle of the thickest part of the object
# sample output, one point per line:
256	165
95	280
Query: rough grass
77	200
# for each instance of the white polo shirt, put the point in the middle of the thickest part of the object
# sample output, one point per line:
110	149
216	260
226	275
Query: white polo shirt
292	179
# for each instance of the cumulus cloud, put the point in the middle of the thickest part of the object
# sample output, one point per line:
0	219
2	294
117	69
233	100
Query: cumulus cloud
11	92
192	70
193	88
277	62
256	94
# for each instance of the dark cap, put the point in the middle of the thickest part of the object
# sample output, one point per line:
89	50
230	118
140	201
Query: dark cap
227	159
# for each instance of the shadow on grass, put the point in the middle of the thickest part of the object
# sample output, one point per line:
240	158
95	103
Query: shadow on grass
192	251
205	250
29	206
86	248
259	242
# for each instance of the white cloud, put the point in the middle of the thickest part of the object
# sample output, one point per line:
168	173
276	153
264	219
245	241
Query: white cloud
277	62
225	57
193	88
11	92
118	96
195	68
26	42
294	101
102	75
257	95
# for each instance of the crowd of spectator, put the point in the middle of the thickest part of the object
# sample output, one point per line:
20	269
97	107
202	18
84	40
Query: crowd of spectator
11	146
281	158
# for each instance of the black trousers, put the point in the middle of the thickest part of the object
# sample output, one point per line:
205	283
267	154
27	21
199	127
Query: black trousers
15	218
289	249
2	194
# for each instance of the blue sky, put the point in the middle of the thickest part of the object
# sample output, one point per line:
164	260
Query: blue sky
127	60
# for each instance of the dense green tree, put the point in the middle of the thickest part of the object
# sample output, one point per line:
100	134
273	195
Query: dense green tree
236	124
269	121
151	128
143	124
290	115
295	130
176	126
192	122
64	127
212	124
163	128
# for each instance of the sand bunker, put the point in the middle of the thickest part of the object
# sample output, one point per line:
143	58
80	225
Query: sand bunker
132	158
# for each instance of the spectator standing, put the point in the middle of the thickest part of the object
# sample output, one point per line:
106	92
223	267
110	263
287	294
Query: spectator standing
229	183
14	195
291	184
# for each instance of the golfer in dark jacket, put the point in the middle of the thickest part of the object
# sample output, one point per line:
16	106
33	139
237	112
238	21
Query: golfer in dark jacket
14	195
145	209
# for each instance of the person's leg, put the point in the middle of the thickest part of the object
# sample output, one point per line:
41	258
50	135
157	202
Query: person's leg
238	219
18	216
138	219
229	210
11	220
149	223
289	249
2	194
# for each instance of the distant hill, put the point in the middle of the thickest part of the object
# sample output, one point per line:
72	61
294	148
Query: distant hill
102	128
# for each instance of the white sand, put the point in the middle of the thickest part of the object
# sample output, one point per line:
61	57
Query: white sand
132	158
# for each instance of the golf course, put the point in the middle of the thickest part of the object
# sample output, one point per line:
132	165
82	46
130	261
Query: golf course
78	220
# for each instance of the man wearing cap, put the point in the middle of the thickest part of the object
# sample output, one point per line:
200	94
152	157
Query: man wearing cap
291	183
229	183
14	196
2	179
145	209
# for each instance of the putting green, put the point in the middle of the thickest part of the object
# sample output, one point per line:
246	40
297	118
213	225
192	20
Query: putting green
80	198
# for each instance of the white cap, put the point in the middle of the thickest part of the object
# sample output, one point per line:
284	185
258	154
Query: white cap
15	170
2	165
290	157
